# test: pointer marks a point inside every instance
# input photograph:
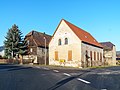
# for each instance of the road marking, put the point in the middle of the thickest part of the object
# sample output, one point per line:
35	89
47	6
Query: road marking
55	70
103	89
83	80
46	68
66	74
37	67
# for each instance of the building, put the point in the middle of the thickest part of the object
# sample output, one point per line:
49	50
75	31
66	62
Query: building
38	47
72	46
2	51
109	53
117	57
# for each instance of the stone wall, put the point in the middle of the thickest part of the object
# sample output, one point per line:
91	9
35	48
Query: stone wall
3	60
94	59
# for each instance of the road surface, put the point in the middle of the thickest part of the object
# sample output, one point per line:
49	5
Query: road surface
16	77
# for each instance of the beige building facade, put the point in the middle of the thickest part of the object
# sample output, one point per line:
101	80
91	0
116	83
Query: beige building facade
74	47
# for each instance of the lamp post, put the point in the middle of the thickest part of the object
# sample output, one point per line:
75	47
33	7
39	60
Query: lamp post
45	50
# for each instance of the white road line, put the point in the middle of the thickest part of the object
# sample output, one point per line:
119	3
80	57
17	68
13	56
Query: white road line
55	70
83	80
66	74
46	68
103	89
37	67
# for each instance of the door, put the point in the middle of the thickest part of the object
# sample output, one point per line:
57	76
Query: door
69	55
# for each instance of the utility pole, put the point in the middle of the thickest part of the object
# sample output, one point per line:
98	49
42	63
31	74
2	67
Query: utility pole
45	50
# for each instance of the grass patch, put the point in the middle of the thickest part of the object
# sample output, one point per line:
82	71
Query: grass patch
98	67
68	67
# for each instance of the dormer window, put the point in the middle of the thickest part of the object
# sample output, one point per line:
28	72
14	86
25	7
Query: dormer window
59	42
66	41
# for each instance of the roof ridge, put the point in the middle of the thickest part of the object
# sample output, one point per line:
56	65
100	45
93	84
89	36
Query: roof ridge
75	25
31	32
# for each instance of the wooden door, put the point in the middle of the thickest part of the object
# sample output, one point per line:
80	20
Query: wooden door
69	55
56	55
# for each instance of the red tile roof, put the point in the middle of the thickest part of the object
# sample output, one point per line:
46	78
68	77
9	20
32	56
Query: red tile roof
83	35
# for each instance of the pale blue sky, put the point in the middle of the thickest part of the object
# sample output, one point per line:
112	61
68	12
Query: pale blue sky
101	18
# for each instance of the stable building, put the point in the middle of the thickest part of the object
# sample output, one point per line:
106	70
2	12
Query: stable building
37	47
109	54
74	47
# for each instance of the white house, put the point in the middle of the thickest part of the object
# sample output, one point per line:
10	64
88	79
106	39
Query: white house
72	46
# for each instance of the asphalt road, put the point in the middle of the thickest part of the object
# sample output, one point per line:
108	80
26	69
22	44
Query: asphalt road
16	77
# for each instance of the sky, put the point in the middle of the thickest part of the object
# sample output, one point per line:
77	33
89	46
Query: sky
101	18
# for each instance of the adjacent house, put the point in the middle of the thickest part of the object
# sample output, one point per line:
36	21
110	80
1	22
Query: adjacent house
38	47
72	46
118	57
109	53
2	51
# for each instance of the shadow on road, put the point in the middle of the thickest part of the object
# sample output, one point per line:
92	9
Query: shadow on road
20	68
62	82
11	67
84	86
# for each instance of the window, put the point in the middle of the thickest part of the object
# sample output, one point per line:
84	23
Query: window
98	55
86	52
94	55
66	41
69	55
87	57
59	42
91	55
91	58
56	55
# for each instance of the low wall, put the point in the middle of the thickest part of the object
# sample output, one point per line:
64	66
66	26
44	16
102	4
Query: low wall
3	60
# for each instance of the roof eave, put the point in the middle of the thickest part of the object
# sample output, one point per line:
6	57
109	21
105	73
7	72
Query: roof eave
93	44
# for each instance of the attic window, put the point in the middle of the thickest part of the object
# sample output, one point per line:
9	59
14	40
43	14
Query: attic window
85	36
59	42
66	41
